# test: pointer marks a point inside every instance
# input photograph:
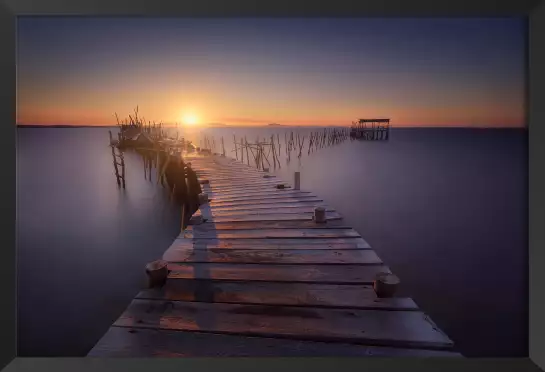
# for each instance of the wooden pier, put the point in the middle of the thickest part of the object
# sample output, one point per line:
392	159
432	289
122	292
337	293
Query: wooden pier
371	129
256	275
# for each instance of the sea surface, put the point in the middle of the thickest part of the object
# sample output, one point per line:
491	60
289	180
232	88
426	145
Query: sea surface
446	209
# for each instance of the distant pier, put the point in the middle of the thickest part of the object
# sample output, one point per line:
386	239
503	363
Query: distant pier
371	129
267	269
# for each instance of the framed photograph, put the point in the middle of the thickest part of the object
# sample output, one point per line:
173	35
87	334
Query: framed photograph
201	182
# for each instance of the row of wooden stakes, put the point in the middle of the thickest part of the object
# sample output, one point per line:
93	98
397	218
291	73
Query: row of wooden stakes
267	152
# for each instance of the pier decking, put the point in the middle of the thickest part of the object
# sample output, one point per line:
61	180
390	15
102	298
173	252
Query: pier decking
259	277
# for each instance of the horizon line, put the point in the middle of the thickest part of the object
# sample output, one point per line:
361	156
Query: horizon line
204	126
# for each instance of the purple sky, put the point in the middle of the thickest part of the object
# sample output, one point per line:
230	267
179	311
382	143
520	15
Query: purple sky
466	72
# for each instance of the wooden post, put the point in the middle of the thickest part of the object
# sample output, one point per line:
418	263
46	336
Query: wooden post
115	166
385	284
235	142
122	169
297	181
319	215
273	149
247	155
157	272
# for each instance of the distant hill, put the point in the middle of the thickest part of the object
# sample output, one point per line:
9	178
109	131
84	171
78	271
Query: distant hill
216	125
274	125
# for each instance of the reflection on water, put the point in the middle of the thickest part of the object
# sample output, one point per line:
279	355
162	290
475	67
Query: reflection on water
82	242
175	175
445	209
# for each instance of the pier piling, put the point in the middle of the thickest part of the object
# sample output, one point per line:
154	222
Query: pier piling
319	215
297	181
385	285
157	272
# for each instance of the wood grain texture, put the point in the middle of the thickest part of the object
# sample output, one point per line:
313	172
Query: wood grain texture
284	294
309	206
272	233
267	201
325	274
245	195
121	342
263	209
213	225
253	188
269	256
371	327
247	183
262	217
275	243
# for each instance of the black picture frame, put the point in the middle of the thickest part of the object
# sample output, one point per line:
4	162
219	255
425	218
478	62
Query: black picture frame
533	9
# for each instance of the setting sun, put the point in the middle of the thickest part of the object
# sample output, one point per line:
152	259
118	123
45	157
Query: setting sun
189	119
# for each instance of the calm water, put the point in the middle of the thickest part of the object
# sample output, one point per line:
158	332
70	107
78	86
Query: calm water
446	209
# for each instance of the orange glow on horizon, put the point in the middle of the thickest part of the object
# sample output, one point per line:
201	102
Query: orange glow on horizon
99	113
470	73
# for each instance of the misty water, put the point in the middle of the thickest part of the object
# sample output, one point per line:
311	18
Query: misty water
446	209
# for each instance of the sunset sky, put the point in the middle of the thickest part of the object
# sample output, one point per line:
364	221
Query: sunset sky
418	72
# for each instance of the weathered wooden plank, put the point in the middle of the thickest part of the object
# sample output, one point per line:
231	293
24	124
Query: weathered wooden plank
258	186
275	201
261	246
254	194
245	183
260	197
221	168
233	163
262	182
372	327
325	274
249	188
308	204
280	209
239	173
307	211
273	233
243	217
122	342
269	256
275	243
215	178
213	225
283	294
235	173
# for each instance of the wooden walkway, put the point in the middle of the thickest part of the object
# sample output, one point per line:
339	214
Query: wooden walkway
260	278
